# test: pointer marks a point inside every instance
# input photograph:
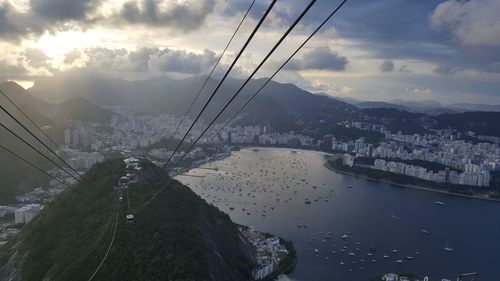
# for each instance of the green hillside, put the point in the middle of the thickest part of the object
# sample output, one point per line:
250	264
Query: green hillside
177	237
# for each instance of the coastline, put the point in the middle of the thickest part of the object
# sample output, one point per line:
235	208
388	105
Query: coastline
329	167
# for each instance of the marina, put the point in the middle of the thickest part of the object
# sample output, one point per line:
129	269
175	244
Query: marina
356	233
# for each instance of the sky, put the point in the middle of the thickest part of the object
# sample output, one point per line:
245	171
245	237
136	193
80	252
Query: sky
382	50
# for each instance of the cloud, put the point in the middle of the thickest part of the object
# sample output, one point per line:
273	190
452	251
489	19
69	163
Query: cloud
495	67
473	23
9	70
186	15
40	16
72	56
447	69
320	58
153	60
9	30
386	66
182	61
404	68
36	58
420	92
329	88
62	10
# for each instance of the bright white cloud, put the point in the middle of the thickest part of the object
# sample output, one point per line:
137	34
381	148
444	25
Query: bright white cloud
420	92
330	88
474	22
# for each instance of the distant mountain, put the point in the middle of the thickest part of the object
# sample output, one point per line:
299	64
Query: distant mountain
178	236
380	104
75	108
284	107
433	107
78	108
482	123
476	107
396	120
283	104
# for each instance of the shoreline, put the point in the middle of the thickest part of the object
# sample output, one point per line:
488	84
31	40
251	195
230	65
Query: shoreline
329	167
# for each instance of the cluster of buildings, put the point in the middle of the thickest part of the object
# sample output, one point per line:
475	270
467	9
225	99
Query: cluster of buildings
269	251
79	137
476	161
261	135
133	170
26	213
82	160
129	131
473	175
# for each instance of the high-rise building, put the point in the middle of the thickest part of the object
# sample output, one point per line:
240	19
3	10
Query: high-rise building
359	145
67	137
76	138
84	138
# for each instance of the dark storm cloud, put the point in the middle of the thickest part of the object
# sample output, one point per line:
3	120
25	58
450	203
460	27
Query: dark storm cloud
320	58
405	29
8	29
184	16
53	15
62	10
386	66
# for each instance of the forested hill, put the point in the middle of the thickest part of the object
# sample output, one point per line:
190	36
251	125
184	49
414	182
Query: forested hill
176	237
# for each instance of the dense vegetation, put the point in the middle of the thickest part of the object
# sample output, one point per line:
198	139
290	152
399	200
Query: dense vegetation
173	238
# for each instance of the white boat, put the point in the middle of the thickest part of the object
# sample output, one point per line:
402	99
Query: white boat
439	203
448	246
316	251
425	231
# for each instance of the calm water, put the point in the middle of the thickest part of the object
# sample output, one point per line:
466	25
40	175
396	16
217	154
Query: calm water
267	189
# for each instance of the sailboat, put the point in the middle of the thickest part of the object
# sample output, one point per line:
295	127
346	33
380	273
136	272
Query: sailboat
447	247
